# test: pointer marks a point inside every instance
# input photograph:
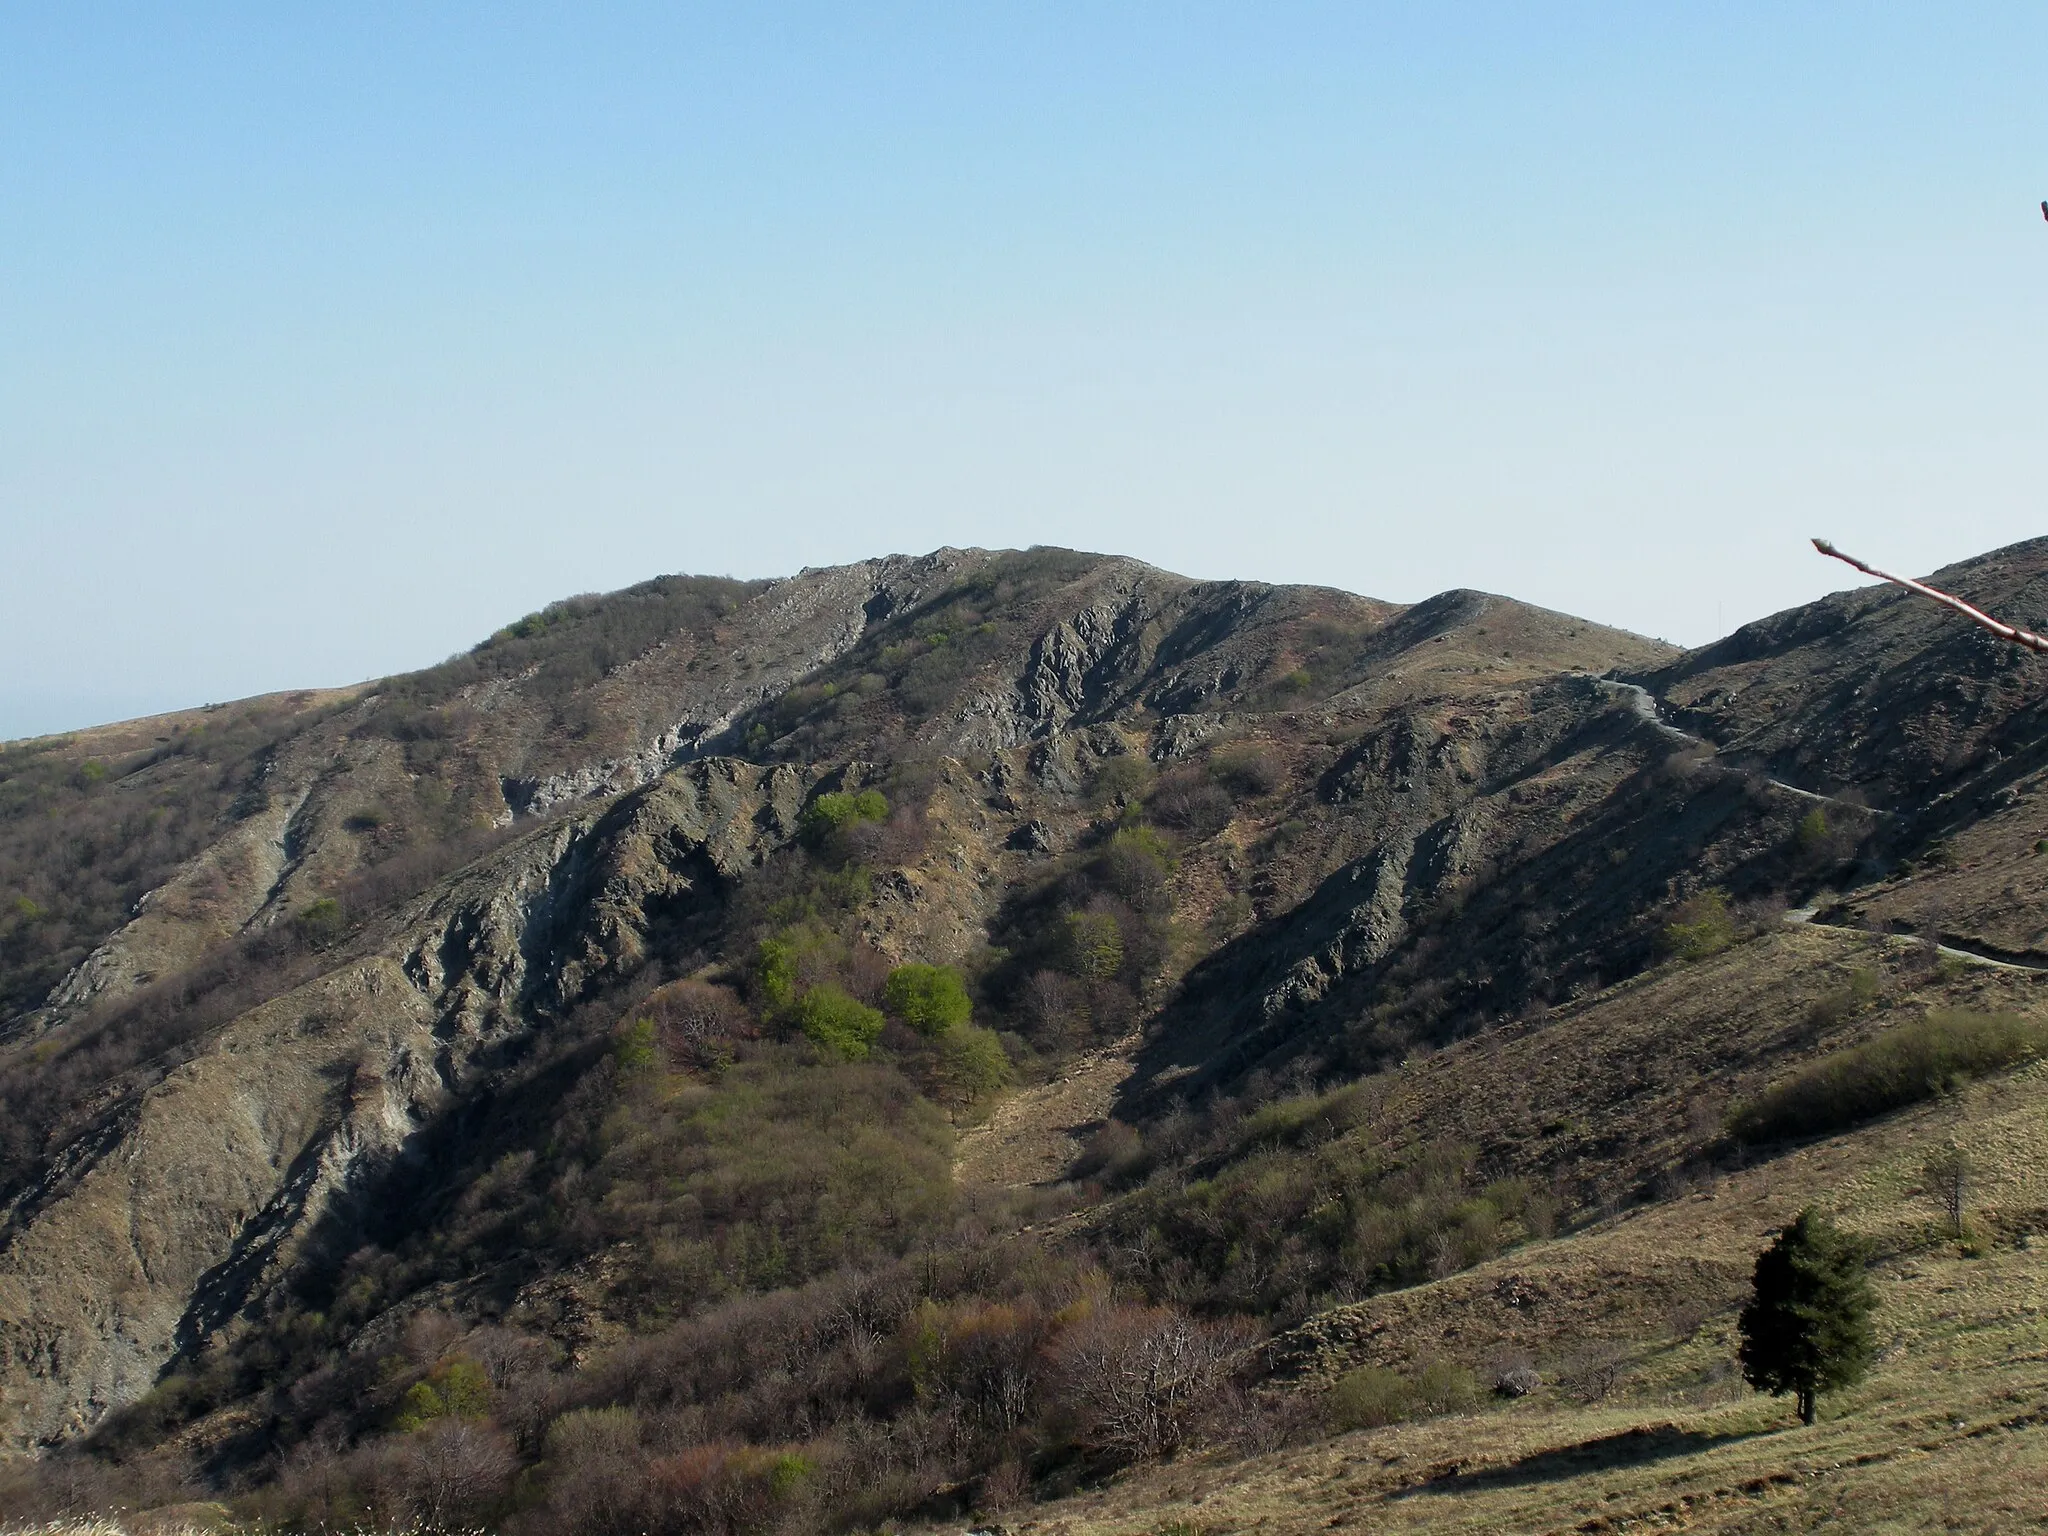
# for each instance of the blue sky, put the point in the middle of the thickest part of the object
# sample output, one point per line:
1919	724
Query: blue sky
333	337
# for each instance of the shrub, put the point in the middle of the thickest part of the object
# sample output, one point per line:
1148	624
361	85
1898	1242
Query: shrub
1699	928
1135	864
1843	1003
1369	1397
1094	945
841	810
456	1388
633	1047
838	1023
1249	771
322	923
1118	781
1138	1378
1441	1387
931	999
1373	1395
774	974
1904	1065
695	1021
1191	801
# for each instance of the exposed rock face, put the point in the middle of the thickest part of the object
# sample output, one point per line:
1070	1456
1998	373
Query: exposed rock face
1417	753
195	1197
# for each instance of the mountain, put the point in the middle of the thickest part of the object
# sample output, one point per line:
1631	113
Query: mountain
748	1055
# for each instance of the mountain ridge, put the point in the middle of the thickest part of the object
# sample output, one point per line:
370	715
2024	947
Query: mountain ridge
1281	840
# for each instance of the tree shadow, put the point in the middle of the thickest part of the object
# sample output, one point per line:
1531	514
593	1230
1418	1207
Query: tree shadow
1630	1448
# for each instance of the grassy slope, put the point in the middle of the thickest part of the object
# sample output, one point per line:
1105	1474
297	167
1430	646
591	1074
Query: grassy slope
1945	1433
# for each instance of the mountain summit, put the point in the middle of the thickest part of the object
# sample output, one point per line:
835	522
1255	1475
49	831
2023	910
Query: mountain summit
783	1046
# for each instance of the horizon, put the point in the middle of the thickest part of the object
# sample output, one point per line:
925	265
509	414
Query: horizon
335	343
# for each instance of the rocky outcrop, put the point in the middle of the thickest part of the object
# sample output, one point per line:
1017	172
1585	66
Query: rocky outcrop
185	1204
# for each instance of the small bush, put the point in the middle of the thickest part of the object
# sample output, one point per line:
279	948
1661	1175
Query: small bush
322	923
972	1063
838	1023
840	811
1844	1003
1249	771
1094	945
1902	1066
1119	781
1700	927
1441	1387
1192	802
1370	1397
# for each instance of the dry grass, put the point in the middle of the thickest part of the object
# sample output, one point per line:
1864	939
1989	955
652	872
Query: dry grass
1947	1433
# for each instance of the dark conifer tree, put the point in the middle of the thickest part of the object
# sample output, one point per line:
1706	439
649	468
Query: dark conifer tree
1807	1328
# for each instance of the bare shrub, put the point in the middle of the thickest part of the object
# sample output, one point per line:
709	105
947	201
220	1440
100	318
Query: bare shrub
599	1485
454	1472
1949	1172
1249	770
1594	1370
1191	801
1138	1378
695	1021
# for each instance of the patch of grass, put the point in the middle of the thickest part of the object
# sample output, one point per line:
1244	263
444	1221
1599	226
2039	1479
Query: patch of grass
1902	1066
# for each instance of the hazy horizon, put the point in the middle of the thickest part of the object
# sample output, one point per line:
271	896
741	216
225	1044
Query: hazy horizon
330	344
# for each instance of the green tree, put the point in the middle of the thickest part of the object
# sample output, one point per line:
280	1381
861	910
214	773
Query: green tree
931	999
1806	1330
1095	945
775	972
841	1024
1699	928
972	1063
836	810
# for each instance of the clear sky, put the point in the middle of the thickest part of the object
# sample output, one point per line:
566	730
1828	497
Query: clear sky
332	337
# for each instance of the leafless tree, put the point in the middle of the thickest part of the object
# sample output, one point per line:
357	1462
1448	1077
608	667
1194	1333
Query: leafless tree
1140	1377
451	1472
1949	1172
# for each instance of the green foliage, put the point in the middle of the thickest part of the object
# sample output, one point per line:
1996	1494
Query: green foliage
1276	1232
1700	927
1811	836
1904	1065
1118	780
1094	947
633	1047
457	1388
775	971
835	1022
838	810
931	999
1806	1328
1369	1397
972	1063
322	922
1135	865
1372	1395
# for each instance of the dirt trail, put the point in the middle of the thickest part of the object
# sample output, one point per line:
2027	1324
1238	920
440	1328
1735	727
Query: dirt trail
1035	1135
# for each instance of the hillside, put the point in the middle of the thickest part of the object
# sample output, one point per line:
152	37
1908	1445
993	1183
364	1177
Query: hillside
754	1055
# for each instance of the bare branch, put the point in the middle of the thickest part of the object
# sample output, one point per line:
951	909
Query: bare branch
1978	616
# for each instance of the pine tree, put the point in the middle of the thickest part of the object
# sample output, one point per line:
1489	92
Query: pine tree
1807	1328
